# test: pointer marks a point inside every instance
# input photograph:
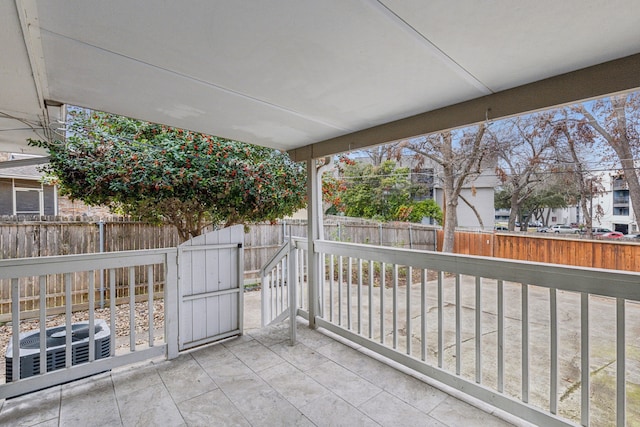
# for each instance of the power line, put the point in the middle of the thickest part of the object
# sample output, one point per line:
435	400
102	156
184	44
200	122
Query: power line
487	175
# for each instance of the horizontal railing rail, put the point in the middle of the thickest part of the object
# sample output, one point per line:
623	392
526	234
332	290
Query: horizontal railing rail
23	267
591	280
276	259
94	346
550	344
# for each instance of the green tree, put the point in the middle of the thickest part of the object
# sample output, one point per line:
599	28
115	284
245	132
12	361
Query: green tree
417	211
383	192
162	174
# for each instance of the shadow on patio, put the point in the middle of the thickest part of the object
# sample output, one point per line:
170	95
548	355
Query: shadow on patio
257	379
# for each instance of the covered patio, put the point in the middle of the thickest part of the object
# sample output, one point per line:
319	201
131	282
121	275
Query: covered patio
316	79
259	380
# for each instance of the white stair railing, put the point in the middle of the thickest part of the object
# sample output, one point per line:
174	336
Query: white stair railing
283	284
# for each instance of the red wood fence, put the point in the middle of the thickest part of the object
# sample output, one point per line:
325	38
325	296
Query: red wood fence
608	254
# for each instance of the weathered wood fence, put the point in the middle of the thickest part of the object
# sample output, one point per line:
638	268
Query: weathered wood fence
19	239
22	238
581	252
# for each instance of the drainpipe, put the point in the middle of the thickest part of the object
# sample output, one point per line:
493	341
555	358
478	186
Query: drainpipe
321	170
313	260
327	166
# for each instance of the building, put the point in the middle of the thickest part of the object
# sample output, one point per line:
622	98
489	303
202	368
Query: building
24	192
613	206
480	194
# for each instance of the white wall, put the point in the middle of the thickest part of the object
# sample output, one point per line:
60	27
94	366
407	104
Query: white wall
483	201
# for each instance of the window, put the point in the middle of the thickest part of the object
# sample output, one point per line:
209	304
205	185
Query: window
621	211
621	197
27	197
28	201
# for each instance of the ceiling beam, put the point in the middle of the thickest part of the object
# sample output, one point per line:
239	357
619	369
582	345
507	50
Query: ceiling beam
592	82
27	13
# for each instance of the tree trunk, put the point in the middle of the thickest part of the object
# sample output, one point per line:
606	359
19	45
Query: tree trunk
451	210
515	208
449	229
588	217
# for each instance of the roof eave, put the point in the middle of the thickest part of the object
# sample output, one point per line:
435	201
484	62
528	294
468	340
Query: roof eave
611	77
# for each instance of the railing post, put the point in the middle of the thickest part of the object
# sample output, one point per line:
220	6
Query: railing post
621	362
292	287
265	299
171	298
241	286
101	249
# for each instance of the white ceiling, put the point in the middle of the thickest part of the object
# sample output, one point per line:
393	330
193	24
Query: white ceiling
290	73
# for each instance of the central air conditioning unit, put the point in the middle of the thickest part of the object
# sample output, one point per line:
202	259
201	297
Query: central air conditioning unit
56	348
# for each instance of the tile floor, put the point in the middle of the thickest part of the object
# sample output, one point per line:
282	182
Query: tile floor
255	380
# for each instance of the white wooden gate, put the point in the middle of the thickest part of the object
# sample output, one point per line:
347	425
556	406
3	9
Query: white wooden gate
210	286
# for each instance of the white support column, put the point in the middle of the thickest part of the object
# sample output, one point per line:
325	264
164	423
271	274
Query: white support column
313	259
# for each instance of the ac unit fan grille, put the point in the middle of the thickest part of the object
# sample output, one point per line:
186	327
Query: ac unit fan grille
57	336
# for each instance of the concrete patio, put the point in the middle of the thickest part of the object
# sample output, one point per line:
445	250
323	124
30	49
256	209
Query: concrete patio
257	379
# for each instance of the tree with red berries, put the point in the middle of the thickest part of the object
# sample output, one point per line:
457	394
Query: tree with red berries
161	174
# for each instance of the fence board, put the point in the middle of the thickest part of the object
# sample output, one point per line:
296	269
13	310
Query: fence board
577	251
59	236
44	238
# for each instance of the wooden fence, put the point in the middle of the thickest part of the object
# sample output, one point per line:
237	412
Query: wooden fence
576	251
21	238
58	236
55	236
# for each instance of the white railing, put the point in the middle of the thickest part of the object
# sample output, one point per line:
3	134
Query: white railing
79	361
287	265
274	291
553	345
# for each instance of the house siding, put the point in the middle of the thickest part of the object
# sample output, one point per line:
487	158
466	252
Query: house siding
6	196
